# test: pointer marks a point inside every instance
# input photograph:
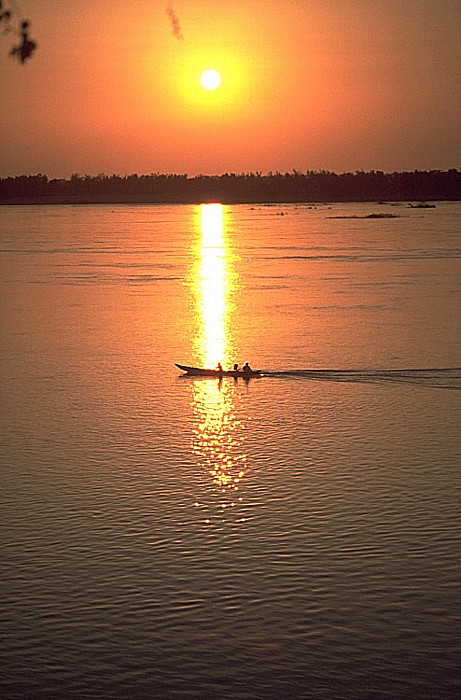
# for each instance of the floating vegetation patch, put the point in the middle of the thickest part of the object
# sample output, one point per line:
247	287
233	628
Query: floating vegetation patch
382	215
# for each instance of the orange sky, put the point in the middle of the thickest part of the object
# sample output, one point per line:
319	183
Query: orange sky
306	84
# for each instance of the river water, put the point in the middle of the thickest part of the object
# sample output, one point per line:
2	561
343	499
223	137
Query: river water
293	536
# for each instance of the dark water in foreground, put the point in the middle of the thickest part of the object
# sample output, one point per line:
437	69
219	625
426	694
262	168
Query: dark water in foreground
294	536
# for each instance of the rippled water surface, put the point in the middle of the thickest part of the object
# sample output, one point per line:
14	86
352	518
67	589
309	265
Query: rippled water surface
292	536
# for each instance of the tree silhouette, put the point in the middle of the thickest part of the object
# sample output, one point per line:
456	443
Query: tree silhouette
8	19
310	187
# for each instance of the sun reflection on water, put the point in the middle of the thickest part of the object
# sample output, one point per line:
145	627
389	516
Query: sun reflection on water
217	442
213	284
217	438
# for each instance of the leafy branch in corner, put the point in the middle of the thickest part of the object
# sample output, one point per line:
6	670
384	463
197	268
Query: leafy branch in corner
8	19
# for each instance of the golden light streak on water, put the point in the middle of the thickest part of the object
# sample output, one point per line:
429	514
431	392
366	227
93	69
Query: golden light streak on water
217	436
213	286
217	442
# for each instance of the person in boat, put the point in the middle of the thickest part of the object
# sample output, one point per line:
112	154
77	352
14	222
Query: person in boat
220	369
247	369
236	367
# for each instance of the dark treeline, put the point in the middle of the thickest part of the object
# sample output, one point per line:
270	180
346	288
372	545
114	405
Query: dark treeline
311	186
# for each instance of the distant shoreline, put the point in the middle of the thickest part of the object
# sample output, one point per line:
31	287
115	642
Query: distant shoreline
311	187
88	199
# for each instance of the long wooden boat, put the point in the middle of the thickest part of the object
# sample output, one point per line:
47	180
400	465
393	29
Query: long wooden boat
203	372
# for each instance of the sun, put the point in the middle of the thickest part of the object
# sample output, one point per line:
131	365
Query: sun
210	79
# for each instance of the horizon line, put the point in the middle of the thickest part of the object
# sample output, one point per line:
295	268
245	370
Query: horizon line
230	173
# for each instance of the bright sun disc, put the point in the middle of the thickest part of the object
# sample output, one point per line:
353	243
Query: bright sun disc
210	79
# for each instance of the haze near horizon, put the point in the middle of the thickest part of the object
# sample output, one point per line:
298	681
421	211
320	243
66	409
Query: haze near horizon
115	87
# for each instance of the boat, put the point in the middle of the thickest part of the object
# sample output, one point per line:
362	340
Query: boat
203	372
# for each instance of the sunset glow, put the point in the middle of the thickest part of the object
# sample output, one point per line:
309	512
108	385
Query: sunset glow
304	85
230	341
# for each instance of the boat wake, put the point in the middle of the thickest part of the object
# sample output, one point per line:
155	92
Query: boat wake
437	378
